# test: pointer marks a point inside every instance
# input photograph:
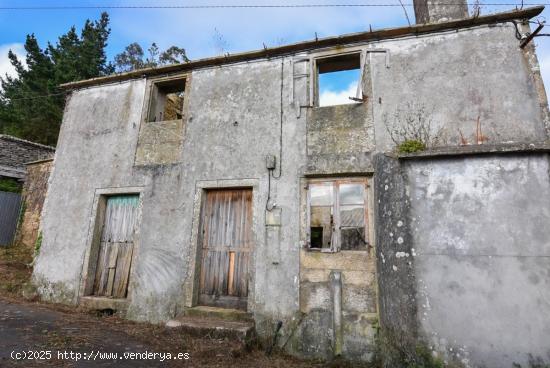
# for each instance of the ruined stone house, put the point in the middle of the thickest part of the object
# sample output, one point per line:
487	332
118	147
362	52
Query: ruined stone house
15	153
223	184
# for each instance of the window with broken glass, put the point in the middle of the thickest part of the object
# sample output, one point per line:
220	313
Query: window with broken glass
167	100
337	215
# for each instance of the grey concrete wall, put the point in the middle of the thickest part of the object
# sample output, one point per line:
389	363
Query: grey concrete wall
482	257
96	150
456	78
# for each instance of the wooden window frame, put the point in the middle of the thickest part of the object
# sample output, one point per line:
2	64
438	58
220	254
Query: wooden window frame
315	61
335	245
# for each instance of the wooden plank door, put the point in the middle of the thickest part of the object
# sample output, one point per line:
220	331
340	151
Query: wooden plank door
116	246
227	244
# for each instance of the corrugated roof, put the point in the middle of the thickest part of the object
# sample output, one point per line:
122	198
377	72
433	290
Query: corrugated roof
387	33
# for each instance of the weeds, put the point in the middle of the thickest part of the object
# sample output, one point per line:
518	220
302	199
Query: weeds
397	350
411	129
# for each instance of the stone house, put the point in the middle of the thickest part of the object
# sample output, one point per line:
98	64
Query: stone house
224	184
15	153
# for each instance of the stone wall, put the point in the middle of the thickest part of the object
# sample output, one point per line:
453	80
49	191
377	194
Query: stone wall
33	196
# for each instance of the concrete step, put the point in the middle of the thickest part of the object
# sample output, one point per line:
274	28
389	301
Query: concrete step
225	314
242	331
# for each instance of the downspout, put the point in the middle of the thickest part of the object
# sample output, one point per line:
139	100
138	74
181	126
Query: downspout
336	287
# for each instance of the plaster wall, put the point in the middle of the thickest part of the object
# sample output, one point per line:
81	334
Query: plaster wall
224	142
481	255
456	77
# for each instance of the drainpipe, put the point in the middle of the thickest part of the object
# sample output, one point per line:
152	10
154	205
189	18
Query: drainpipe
336	287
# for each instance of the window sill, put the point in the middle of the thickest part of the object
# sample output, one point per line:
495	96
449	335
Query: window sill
163	121
354	104
317	250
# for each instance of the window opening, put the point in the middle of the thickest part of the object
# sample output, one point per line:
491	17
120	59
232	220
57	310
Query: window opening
338	80
167	100
337	215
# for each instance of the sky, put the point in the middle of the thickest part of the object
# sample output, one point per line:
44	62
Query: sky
209	32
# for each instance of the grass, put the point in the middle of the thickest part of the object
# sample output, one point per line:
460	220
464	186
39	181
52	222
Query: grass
79	330
411	146
15	269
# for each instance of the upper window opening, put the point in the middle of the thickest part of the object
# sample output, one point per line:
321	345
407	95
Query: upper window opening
167	100
338	79
337	215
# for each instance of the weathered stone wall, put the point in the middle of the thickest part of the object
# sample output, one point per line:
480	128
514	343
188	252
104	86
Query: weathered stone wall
33	196
260	108
462	250
359	303
481	240
456	78
394	248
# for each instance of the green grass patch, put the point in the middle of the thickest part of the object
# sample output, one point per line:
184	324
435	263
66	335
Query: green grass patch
411	146
10	185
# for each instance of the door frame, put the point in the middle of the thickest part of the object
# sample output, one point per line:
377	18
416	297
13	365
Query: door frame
89	262
191	284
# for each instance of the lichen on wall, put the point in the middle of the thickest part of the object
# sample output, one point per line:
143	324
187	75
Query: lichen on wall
33	196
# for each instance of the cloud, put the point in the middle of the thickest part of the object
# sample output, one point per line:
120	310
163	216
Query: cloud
331	97
245	29
5	65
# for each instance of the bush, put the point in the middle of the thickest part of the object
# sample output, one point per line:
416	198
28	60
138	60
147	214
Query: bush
10	185
411	146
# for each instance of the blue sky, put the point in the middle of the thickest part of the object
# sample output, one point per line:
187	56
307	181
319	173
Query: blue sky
204	32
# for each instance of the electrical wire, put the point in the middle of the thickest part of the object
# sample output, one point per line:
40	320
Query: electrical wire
246	6
36	97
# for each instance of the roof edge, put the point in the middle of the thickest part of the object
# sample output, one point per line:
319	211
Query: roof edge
21	140
38	161
385	33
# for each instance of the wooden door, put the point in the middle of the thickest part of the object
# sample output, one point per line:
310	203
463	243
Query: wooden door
116	246
226	244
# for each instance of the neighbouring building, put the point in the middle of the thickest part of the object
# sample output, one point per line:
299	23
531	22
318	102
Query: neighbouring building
14	154
420	210
32	199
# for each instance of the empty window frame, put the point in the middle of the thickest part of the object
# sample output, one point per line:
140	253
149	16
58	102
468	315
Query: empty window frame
338	79
166	102
337	215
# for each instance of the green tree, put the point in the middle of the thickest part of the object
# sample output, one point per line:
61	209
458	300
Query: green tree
133	57
31	104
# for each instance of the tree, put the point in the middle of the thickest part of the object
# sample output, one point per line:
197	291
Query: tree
31	104
132	58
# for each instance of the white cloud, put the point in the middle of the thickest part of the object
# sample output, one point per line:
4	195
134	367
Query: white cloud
245	29
5	65
330	98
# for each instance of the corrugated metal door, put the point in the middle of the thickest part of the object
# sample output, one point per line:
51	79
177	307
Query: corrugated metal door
10	204
116	246
227	244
